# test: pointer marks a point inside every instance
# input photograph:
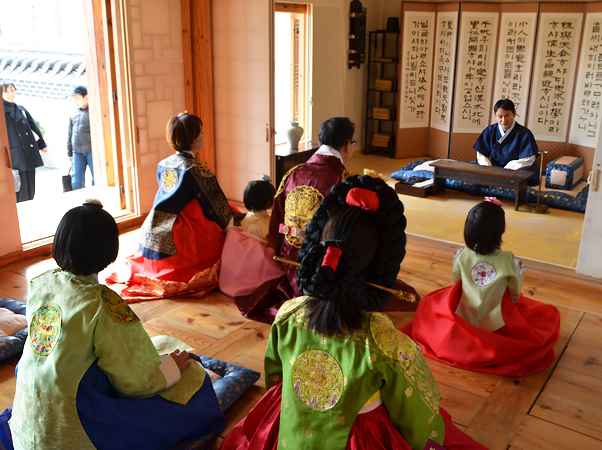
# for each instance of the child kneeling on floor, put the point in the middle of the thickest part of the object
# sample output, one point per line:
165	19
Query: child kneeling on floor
90	376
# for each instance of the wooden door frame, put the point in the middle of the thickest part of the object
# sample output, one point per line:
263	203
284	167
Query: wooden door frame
198	71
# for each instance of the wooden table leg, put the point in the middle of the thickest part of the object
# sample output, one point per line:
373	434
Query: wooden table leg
521	194
438	183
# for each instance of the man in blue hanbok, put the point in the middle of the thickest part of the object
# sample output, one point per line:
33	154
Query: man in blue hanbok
508	144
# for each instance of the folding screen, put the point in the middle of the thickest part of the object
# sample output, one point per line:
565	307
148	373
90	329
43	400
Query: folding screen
546	58
587	105
552	85
416	77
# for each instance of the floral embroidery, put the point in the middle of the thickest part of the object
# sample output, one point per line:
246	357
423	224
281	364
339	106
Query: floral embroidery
299	207
372	358
483	274
434	434
169	180
254	229
281	187
341	420
348	173
456	255
317	379
409	391
275	377
283	442
117	308
394	344
431	419
520	267
286	403
45	329
309	433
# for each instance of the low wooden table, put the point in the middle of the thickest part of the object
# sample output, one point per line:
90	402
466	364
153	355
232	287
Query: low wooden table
487	175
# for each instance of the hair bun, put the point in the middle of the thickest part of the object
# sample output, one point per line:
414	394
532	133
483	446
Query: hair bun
93	201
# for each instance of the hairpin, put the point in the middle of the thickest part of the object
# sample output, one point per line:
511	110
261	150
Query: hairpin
493	200
410	298
363	198
184	113
332	257
266	178
93	201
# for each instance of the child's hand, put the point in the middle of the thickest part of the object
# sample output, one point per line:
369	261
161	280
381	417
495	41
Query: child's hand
180	358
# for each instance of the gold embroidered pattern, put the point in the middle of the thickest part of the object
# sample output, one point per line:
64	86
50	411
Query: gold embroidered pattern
290	306
372	358
117	308
341	420
283	442
281	187
157	232
299	207
431	419
275	377
392	342
286	403
347	173
309	433
317	379
434	434
409	391
45	329
169	179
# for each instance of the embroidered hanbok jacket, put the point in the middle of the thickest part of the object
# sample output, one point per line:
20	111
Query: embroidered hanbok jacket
326	381
74	321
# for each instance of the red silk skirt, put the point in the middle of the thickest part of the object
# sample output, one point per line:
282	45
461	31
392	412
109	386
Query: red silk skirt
370	431
523	346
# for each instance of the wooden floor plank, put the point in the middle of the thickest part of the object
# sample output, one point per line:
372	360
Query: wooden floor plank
461	405
476	383
497	421
197	340
14	285
535	433
584	352
572	400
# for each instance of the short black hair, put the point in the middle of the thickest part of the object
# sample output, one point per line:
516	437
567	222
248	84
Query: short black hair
5	86
336	132
259	195
86	240
504	103
484	227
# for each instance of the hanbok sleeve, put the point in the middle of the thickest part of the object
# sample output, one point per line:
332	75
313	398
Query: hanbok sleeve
482	144
515	280
277	218
410	392
210	196
456	268
483	160
272	362
124	350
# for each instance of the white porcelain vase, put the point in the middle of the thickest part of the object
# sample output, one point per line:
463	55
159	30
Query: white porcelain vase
293	135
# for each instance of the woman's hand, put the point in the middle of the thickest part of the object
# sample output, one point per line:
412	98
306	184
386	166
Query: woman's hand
180	358
44	150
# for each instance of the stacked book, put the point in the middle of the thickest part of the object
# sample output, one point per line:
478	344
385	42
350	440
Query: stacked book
381	139
383	85
381	113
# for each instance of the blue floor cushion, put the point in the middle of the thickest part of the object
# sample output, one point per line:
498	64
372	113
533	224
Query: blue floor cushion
12	345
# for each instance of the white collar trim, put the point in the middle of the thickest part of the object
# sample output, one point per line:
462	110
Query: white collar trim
329	151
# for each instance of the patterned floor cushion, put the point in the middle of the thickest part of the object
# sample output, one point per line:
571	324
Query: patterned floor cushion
12	345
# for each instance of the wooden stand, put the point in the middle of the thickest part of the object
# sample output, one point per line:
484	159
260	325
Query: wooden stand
287	158
407	189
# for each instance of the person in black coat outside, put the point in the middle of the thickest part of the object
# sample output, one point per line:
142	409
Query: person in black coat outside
25	146
79	141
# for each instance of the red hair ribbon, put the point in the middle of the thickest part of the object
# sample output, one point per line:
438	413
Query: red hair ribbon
363	198
332	257
493	200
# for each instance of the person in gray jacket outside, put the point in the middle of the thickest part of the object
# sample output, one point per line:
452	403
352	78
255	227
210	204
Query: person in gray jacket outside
79	143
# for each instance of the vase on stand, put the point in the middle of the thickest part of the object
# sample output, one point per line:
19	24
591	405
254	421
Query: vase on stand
293	135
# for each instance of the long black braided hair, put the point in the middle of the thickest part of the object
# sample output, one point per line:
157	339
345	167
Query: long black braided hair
372	244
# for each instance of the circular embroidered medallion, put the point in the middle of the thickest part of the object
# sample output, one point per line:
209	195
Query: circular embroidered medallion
299	208
483	274
45	329
456	255
169	180
254	229
317	379
520	267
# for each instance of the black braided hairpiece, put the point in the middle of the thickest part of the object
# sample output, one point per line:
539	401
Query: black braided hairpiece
345	286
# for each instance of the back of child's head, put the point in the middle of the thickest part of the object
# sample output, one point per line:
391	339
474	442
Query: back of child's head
86	240
484	227
362	220
182	130
259	195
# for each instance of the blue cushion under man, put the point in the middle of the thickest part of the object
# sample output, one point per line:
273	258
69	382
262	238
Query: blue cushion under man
508	144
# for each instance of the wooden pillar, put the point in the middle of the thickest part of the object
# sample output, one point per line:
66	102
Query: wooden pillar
198	71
